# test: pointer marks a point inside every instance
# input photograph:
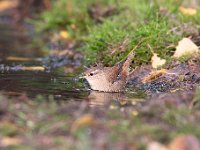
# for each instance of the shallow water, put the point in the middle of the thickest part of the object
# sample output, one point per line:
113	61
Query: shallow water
33	83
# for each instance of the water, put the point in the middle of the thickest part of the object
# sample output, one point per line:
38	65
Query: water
33	83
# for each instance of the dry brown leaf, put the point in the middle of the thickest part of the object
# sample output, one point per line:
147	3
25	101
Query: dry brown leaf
185	46
187	11
10	141
8	4
157	61
84	120
154	75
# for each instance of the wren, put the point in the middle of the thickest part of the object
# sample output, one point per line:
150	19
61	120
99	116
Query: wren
109	79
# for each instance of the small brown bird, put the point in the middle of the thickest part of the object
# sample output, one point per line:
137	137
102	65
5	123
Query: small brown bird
109	79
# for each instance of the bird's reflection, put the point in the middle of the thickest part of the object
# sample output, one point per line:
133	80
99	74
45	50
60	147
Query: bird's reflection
102	98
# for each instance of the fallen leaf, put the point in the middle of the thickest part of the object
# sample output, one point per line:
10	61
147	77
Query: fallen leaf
8	4
61	53
157	61
84	120
185	46
156	146
64	34
134	113
175	90
154	75
187	11
13	58
33	68
185	142
112	107
10	141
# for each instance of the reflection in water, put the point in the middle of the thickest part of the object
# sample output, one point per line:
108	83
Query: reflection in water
102	98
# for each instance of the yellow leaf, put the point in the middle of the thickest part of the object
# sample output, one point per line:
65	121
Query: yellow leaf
154	75
134	113
13	58
157	61
187	11
8	141
64	34
8	4
113	107
84	120
34	68
185	46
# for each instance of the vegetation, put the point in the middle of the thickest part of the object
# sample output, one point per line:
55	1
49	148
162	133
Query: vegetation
153	23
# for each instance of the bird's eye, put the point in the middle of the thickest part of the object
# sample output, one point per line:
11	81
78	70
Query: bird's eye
91	74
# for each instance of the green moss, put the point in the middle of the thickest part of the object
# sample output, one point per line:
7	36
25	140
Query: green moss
152	28
99	39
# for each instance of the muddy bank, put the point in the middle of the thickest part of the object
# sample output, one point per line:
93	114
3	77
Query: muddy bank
177	76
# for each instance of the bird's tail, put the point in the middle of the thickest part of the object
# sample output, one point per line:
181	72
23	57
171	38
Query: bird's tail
126	64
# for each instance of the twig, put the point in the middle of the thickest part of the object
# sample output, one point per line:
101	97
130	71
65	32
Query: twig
136	46
149	46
